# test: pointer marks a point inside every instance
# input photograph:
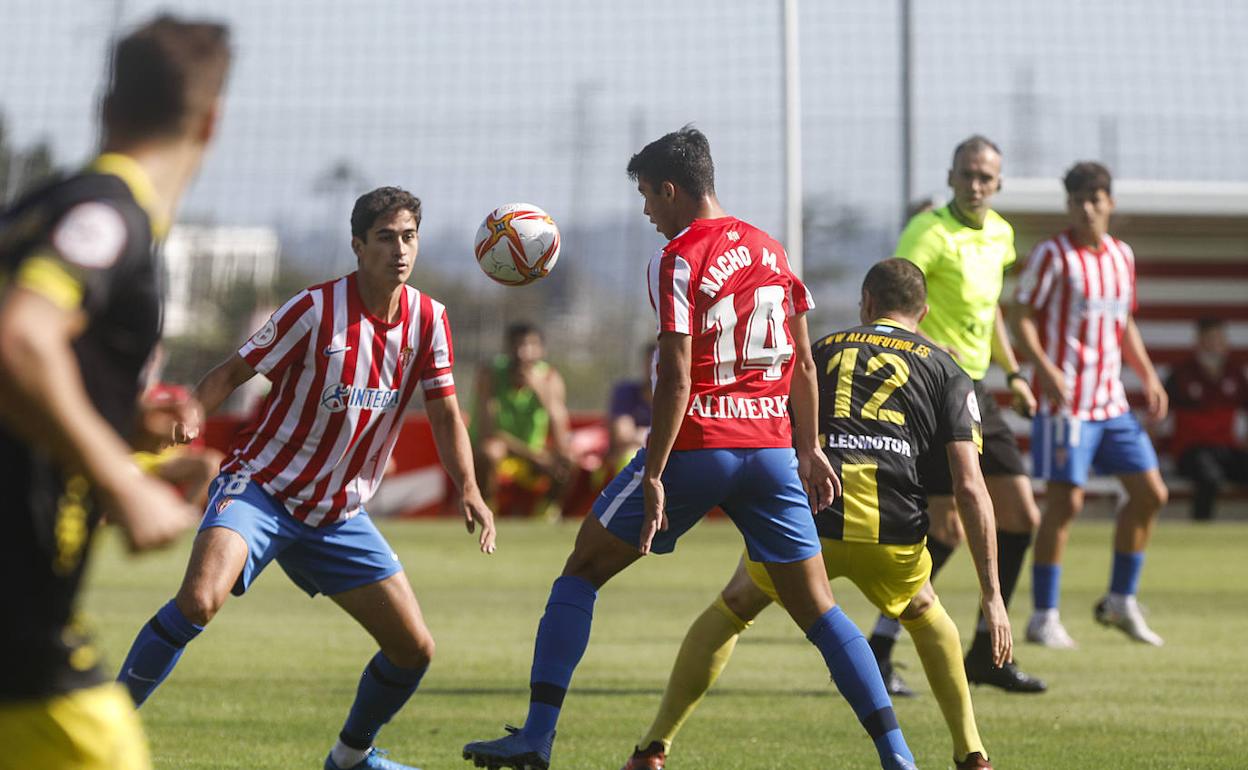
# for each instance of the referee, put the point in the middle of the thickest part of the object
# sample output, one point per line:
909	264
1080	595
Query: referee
964	250
79	317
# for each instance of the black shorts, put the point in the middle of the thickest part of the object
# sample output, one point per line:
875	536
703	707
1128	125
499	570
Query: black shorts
1000	457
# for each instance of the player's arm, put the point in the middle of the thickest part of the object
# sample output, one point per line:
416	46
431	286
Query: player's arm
1137	356
1003	356
822	485
975	511
555	398
211	392
42	397
455	451
671	399
1052	381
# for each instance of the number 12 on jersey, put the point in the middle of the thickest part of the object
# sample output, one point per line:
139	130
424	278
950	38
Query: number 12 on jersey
766	345
844	361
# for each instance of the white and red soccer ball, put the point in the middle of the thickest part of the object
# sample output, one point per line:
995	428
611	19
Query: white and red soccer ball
517	244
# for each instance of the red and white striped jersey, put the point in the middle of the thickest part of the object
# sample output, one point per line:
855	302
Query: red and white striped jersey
1082	301
341	382
728	285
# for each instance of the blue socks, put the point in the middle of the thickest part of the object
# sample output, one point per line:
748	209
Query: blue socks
1124	580
857	676
562	637
155	651
384	688
1046	580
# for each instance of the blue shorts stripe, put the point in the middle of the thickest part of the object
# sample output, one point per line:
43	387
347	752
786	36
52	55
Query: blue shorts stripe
620	499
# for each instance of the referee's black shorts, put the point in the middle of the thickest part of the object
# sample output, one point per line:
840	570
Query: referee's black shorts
1000	458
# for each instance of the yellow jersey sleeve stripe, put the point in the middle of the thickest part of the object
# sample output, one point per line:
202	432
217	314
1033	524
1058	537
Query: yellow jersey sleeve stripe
52	279
862	503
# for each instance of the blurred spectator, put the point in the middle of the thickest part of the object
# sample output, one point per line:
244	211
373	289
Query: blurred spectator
920	205
628	416
520	427
1206	392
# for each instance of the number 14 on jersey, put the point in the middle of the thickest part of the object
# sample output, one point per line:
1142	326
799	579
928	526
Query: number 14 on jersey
765	345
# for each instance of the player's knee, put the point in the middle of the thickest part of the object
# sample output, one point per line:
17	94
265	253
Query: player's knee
917	606
1060	515
199	604
920	603
745	599
1153	495
950	536
418	653
413	653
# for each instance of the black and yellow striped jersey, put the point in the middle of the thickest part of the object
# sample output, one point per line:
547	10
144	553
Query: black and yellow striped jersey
886	396
83	243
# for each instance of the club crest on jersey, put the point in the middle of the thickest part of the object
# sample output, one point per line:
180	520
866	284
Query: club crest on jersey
972	406
405	356
339	396
266	335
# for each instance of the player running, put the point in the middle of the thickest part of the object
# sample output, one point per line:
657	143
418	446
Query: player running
345	358
79	318
1074	320
886	396
964	250
732	333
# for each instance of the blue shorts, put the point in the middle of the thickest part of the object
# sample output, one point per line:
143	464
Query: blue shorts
1066	449
327	560
758	488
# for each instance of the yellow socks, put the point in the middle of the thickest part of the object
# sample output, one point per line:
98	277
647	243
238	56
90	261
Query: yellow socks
707	647
936	640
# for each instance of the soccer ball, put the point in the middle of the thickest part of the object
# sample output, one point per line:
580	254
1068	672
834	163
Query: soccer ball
517	244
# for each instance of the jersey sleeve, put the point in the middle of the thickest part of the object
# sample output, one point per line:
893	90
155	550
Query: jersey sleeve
800	298
1011	255
958	418
82	260
283	338
1129	255
921	242
436	379
1035	284
671	293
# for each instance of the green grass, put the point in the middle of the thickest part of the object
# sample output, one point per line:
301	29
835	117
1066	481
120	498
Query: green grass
268	684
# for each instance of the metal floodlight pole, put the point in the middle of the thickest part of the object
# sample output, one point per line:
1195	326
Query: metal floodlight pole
906	44
792	138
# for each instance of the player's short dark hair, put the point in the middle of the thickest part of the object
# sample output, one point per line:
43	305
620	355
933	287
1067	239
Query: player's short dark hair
974	143
1088	176
1205	323
375	204
896	284
521	329
165	73
682	157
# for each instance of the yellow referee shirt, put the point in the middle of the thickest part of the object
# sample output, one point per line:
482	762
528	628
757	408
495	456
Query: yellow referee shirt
964	267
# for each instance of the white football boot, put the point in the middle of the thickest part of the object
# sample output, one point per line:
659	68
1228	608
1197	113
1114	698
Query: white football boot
1123	612
1045	629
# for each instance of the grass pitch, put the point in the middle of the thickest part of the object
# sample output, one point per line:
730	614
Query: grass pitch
269	682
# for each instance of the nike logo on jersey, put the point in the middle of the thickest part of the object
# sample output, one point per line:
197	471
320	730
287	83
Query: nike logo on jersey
330	350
